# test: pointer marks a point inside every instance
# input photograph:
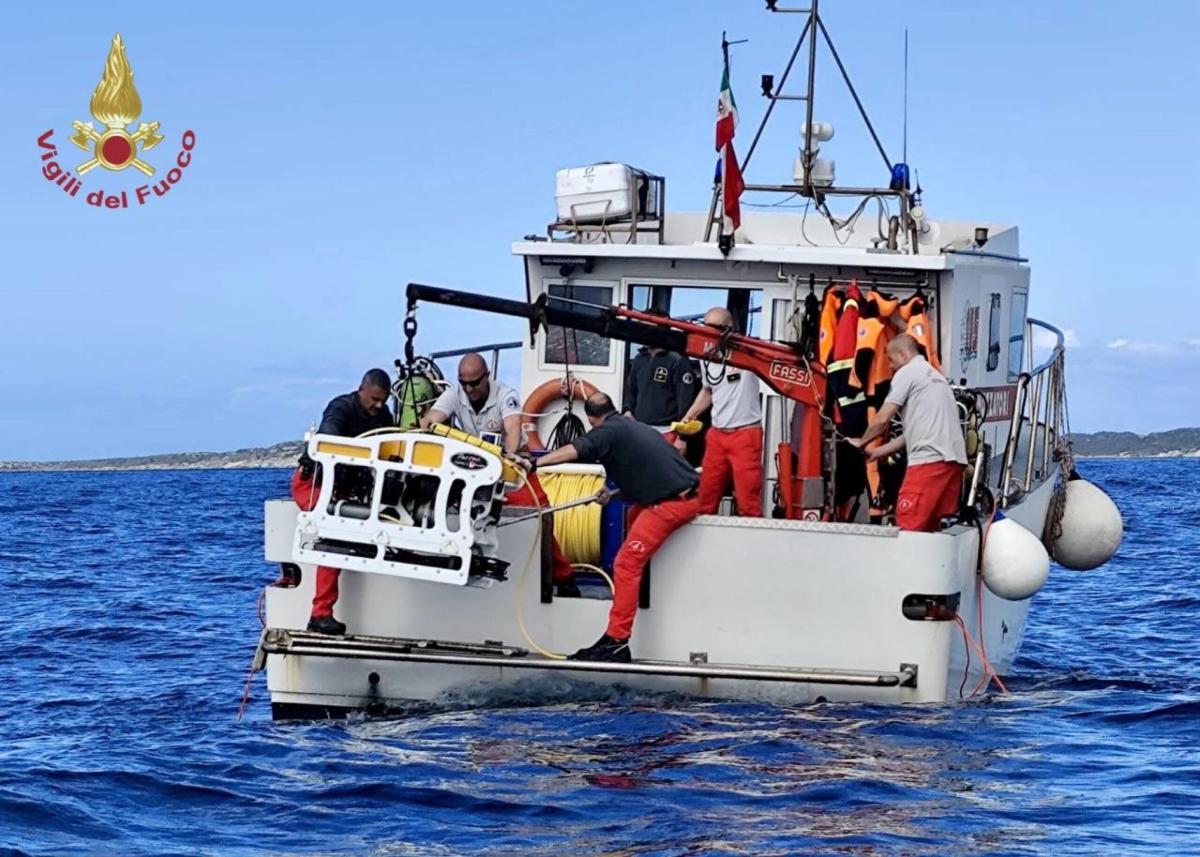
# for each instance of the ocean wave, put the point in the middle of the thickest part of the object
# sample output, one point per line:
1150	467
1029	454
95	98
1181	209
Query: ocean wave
131	631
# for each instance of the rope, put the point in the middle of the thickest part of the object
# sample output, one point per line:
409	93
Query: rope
1065	454
1054	515
577	529
246	692
989	672
568	429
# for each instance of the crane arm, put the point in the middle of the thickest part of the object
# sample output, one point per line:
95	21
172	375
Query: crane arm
780	367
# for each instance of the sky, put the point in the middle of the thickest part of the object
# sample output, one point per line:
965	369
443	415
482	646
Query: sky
339	155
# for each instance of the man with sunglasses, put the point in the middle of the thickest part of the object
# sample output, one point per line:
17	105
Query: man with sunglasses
492	411
480	406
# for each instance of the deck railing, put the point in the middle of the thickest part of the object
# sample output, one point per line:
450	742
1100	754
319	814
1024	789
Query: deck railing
1039	420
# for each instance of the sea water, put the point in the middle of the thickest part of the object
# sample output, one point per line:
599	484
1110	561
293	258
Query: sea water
130	621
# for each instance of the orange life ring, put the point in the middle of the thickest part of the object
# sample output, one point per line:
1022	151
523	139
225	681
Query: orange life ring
543	395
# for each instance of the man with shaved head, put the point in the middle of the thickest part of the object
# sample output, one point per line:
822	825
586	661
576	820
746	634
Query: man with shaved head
933	436
661	485
733	448
492	410
480	406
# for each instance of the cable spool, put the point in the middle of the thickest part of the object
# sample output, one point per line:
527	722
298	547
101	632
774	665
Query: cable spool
577	530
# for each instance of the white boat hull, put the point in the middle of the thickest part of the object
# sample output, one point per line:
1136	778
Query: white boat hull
727	591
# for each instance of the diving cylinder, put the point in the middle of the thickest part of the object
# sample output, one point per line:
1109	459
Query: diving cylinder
413	395
1015	565
1091	528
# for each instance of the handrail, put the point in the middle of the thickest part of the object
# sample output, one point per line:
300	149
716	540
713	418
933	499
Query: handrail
494	347
1059	346
1040	407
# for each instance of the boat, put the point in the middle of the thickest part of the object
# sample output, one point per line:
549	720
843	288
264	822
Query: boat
812	602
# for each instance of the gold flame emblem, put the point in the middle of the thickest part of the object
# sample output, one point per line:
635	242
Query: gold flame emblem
116	104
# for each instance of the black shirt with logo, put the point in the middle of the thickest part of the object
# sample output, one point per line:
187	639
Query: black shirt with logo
638	460
659	387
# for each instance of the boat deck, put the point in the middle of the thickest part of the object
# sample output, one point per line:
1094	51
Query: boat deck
279	641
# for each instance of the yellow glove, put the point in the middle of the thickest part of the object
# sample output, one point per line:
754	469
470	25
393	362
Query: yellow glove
689	427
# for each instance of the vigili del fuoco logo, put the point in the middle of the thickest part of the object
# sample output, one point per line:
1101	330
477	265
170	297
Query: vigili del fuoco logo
116	105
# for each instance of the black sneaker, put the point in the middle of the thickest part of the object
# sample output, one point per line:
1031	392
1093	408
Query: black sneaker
605	649
327	625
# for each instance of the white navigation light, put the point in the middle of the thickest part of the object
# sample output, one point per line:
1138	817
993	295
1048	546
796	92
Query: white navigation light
823	169
822	132
928	230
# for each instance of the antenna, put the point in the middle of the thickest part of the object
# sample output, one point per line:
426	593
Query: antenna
904	156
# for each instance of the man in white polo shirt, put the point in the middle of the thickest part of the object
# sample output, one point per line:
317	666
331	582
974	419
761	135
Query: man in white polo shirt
733	447
933	436
492	410
480	406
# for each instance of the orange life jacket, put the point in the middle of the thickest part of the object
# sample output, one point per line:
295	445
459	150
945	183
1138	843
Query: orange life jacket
914	311
849	402
831	307
845	389
874	373
872	370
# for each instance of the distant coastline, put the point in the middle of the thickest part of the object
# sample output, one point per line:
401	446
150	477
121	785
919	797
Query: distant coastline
1176	443
279	455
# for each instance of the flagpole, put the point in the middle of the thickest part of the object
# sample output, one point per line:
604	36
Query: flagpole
716	192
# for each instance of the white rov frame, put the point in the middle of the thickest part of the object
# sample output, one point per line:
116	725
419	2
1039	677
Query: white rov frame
451	536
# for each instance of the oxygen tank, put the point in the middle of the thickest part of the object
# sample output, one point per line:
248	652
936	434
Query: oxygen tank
1091	528
1015	565
415	389
414	394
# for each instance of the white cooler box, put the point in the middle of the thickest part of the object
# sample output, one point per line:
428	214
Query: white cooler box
603	192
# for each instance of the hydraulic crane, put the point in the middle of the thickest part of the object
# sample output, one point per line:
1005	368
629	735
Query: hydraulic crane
782	368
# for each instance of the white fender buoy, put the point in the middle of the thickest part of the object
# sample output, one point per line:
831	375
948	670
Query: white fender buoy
1015	565
1091	528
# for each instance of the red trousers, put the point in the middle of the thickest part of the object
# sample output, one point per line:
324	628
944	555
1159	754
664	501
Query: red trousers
649	527
560	566
306	492
929	493
735	453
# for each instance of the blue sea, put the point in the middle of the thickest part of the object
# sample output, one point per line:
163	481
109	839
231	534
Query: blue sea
131	621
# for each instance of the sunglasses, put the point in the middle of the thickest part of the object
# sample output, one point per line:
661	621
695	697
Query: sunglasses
468	384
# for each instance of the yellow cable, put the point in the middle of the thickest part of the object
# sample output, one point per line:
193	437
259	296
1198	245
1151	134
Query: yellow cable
529	562
612	586
577	529
388	430
533	546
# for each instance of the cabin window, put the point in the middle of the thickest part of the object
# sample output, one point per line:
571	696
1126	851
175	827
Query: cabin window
993	353
1016	336
578	347
689	303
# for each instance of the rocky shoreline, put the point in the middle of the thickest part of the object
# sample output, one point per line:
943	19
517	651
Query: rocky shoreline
279	455
1177	443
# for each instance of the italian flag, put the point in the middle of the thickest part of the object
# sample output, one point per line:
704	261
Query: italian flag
731	175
